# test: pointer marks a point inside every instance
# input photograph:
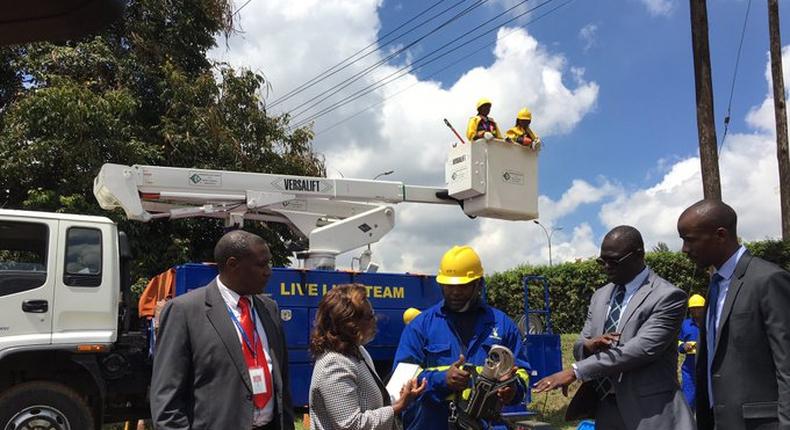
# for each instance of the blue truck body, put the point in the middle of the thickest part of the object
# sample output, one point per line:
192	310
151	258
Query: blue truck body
298	292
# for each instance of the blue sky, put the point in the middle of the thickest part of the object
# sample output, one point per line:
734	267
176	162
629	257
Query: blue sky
644	66
624	153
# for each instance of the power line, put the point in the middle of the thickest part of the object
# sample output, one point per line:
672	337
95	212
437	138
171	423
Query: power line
403	71
391	96
335	89
436	72
735	75
241	7
413	66
380	41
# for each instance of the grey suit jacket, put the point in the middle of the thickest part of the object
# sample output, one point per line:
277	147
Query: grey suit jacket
344	395
200	379
751	361
643	365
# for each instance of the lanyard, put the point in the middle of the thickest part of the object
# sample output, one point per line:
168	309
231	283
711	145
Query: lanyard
244	334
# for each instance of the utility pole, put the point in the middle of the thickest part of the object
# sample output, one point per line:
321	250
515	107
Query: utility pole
706	126
780	112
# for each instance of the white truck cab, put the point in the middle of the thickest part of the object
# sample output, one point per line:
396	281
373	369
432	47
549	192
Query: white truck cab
60	295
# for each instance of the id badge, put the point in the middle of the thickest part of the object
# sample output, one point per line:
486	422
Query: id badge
258	380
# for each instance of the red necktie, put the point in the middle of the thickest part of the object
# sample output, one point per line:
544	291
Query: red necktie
259	358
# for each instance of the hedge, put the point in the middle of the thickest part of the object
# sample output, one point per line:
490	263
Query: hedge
572	284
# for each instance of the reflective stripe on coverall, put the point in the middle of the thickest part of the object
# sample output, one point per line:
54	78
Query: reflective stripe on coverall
432	342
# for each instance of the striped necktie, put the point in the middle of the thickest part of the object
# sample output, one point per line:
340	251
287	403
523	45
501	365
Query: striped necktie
605	386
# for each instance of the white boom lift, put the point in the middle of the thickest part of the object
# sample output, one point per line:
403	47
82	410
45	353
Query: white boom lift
492	179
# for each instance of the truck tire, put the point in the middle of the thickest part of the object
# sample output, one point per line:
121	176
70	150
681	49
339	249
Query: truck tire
43	405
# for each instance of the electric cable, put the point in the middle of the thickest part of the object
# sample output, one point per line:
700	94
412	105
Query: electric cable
380	41
734	76
412	66
434	73
340	86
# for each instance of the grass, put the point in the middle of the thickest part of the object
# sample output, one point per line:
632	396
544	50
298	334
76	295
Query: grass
551	406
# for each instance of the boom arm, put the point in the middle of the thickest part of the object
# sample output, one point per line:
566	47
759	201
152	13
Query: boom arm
492	179
335	215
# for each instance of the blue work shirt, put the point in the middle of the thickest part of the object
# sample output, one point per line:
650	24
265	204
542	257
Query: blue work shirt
431	341
689	332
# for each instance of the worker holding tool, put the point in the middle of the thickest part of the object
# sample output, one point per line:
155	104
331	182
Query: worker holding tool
451	339
687	345
482	126
521	133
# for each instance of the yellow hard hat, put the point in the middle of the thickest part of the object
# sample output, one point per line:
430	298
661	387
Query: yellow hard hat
483	101
524	114
460	265
696	301
410	314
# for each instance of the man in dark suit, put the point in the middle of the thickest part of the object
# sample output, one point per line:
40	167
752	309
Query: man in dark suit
221	360
627	354
743	358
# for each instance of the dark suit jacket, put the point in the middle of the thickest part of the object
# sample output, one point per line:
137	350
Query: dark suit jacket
200	379
751	360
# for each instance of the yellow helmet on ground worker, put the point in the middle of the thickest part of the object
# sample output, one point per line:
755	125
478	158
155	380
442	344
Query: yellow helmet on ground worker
524	114
482	101
410	314
460	265
696	301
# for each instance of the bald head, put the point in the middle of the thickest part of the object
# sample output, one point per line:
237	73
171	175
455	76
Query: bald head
237	244
713	214
626	235
709	232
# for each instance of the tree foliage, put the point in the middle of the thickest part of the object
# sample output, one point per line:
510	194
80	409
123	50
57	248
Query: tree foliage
572	284
140	92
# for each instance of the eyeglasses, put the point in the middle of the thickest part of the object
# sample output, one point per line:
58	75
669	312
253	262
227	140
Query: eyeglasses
603	262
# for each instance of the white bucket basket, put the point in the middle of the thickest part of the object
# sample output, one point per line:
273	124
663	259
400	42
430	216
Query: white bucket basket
494	179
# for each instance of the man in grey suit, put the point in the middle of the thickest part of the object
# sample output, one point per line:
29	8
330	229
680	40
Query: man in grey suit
743	356
221	360
627	354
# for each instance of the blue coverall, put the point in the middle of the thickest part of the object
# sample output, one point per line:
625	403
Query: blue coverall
689	332
432	342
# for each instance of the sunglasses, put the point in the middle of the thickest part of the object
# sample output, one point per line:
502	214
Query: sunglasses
614	262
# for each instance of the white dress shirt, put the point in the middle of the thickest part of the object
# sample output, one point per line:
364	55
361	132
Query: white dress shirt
260	416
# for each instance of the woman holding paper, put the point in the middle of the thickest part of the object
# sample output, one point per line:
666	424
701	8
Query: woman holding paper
345	391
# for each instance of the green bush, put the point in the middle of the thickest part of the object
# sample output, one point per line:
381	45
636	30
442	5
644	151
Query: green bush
572	284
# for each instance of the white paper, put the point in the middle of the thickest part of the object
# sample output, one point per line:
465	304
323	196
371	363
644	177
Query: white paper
403	372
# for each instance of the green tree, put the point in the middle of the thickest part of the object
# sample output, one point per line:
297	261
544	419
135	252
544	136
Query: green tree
140	92
661	247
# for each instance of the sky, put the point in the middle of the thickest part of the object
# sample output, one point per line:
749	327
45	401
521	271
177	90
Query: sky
610	84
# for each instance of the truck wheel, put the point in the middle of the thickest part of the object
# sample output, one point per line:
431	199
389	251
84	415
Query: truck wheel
43	406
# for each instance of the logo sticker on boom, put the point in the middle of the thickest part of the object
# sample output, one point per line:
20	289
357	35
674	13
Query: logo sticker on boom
307	185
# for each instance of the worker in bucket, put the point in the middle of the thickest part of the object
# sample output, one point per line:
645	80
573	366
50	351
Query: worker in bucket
482	126
687	345
458	331
521	133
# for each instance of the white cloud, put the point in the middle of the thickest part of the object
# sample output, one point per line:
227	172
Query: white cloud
588	35
659	7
